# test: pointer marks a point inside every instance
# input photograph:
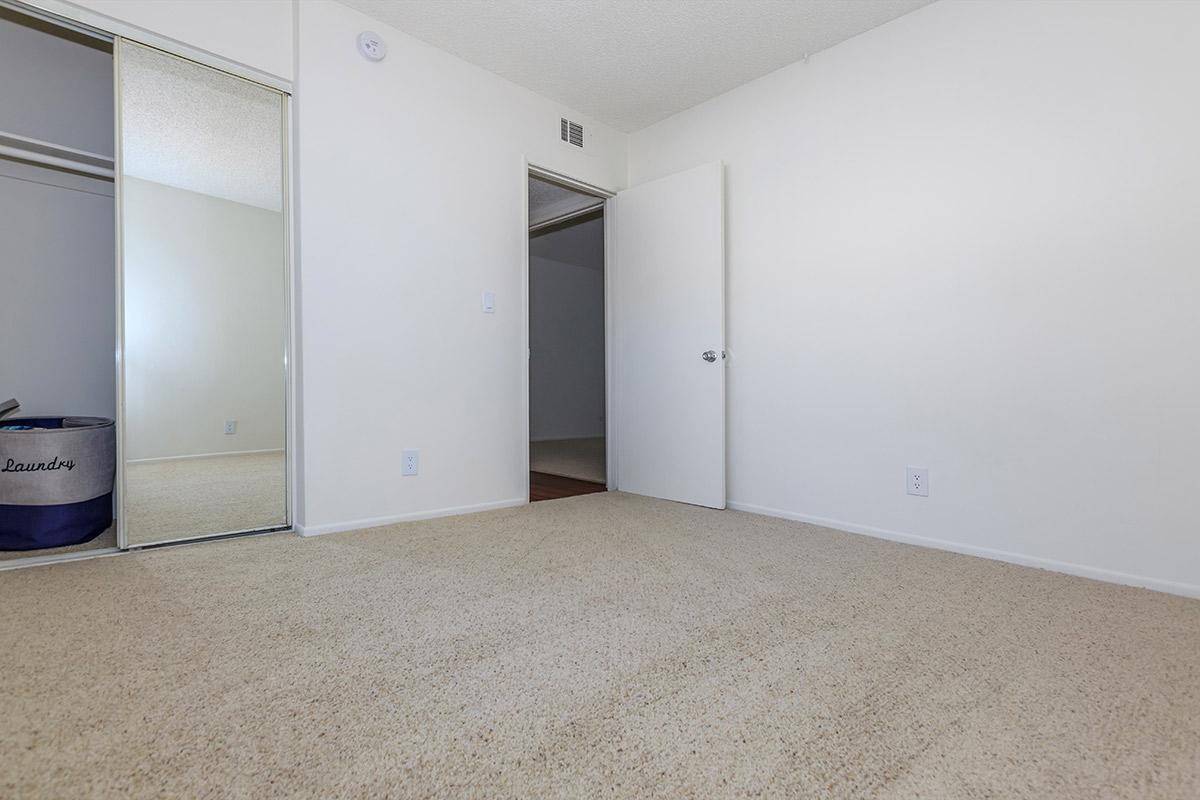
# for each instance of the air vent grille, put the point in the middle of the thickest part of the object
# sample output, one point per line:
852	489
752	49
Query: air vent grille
571	132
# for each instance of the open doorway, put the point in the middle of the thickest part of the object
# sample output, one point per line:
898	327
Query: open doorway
567	381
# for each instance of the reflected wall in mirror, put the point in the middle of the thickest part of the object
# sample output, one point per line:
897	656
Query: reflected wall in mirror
204	289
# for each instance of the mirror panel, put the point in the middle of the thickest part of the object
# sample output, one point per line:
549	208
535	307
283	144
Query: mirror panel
204	264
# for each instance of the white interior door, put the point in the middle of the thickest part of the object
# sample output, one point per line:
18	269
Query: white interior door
668	320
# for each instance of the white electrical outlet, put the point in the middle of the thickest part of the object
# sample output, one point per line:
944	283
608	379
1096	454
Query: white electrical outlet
918	481
230	427
409	461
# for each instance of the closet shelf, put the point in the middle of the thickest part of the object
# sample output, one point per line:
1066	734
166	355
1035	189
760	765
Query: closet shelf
534	227
53	155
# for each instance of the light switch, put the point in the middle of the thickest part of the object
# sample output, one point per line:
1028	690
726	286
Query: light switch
489	302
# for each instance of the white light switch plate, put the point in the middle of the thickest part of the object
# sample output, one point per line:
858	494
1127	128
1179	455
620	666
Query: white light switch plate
489	302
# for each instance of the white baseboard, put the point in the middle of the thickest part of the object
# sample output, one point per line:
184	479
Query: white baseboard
1081	570
376	522
205	455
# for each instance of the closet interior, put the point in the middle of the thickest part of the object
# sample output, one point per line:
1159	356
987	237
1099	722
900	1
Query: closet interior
58	269
144	280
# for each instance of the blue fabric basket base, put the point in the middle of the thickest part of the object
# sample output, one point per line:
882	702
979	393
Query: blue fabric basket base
39	527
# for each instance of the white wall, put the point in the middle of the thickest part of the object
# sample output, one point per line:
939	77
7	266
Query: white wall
566	332
411	195
204	322
254	33
967	240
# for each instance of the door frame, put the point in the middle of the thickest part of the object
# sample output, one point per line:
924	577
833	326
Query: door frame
528	169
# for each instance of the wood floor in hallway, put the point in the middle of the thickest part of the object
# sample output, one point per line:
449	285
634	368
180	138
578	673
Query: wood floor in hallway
554	487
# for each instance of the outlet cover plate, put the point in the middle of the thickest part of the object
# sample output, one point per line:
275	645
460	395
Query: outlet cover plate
230	427
918	481
409	461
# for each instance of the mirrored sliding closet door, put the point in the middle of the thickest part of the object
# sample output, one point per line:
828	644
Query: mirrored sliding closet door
203	290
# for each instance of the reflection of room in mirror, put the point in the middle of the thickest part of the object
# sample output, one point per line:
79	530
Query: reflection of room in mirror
195	128
204	287
179	498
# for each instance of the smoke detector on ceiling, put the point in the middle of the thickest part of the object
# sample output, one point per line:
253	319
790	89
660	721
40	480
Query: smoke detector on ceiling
372	46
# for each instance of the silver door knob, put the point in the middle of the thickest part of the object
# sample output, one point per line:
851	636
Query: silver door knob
709	355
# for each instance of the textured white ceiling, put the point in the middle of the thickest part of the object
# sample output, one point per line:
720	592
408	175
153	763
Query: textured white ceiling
194	128
631	63
549	200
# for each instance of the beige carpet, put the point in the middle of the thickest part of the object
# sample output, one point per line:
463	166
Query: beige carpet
605	645
582	459
196	496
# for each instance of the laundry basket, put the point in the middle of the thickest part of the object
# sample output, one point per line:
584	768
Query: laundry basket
56	479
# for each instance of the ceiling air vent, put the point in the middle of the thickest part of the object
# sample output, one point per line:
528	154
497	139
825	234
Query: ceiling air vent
571	132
